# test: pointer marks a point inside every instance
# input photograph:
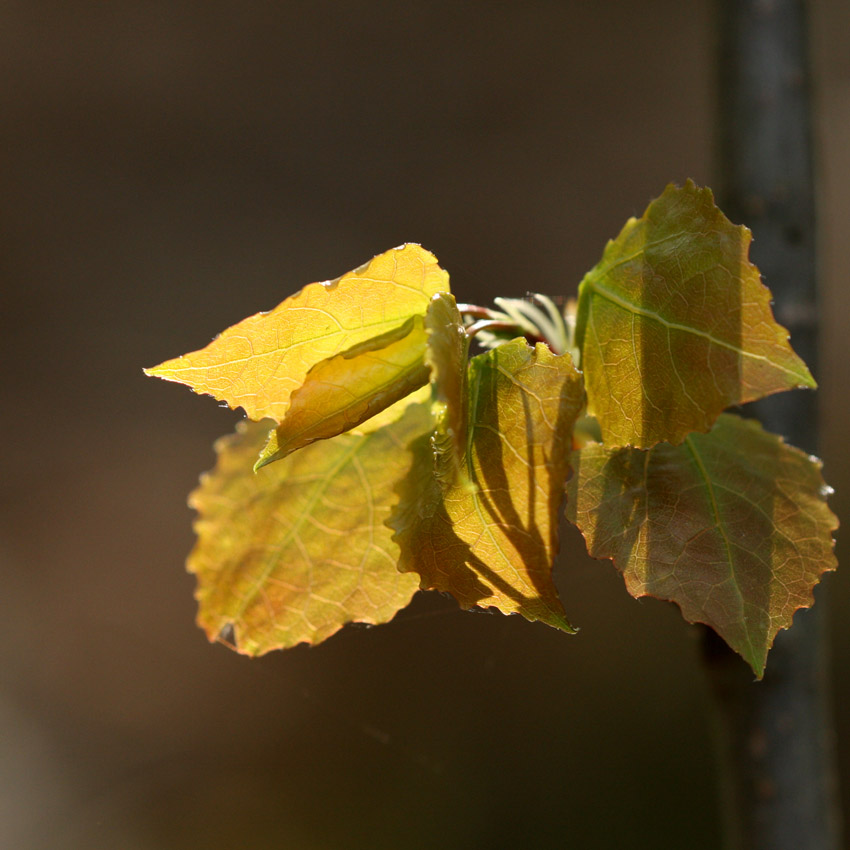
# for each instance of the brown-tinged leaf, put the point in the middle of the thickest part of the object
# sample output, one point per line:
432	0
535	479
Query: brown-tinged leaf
674	325
490	538
293	552
342	392
259	362
732	525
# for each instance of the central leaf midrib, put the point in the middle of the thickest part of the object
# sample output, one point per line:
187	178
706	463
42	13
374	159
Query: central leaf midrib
596	287
715	509
475	394
287	348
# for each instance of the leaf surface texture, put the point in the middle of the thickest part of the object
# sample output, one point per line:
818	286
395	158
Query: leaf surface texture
674	325
258	363
490	538
342	392
293	552
732	525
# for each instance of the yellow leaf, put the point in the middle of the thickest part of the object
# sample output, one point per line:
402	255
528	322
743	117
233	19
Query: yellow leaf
341	392
259	362
490	538
394	412
292	553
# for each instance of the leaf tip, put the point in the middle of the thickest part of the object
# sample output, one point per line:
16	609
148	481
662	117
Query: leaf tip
270	453
757	668
809	382
164	370
262	460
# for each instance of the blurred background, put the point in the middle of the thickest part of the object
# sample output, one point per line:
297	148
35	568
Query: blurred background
167	168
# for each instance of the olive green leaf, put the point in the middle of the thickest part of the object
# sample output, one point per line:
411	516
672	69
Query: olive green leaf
732	525
447	352
293	552
490	538
674	325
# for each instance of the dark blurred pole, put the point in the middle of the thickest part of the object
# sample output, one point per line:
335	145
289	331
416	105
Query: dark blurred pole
776	735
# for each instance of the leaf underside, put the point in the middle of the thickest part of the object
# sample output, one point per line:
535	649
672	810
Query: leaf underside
490	538
342	392
674	325
395	412
731	525
259	362
292	553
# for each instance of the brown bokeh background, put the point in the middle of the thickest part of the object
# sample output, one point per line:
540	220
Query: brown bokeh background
167	168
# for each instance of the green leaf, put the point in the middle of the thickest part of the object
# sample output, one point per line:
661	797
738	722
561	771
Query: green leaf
342	392
292	553
674	325
259	362
490	538
732	525
447	353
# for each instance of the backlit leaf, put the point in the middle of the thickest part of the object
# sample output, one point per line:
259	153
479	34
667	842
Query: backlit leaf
341	392
490	538
732	525
395	412
447	353
674	325
259	362
293	552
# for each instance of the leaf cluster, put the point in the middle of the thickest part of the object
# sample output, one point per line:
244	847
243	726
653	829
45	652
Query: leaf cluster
382	459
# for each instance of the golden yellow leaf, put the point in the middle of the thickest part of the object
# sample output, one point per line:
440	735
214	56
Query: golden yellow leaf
259	362
394	412
341	392
293	552
490	538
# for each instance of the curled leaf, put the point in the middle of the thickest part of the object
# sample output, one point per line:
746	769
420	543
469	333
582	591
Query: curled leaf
342	392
